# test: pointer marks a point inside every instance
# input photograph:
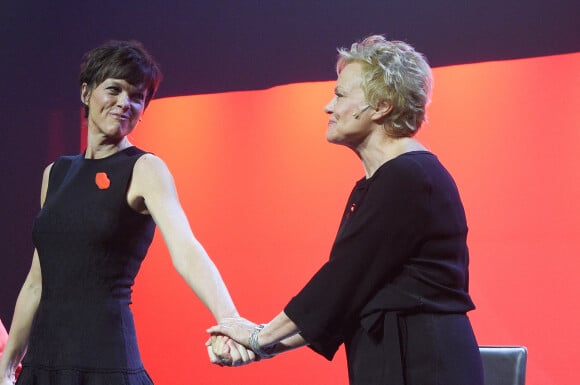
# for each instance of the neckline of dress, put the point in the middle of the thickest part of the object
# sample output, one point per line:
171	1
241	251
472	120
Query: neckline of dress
106	157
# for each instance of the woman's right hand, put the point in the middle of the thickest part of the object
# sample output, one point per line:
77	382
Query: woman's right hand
237	328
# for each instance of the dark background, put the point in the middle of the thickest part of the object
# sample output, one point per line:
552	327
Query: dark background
216	46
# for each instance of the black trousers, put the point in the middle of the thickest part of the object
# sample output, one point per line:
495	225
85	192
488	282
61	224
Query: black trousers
416	349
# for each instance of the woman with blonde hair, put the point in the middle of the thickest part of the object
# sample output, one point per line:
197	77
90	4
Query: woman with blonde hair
395	288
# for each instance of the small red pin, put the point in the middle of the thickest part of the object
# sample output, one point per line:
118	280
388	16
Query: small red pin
102	180
351	210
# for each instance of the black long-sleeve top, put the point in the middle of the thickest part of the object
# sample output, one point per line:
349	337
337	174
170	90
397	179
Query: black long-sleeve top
401	247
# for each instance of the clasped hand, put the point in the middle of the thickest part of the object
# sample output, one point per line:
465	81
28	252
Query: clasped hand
229	342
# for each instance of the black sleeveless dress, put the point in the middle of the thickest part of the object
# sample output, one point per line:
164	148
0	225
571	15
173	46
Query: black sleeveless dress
90	245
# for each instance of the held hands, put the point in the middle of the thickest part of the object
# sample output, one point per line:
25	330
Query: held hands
223	351
237	328
228	345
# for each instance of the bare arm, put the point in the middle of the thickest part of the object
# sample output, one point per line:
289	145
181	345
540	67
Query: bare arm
24	311
280	334
154	183
290	343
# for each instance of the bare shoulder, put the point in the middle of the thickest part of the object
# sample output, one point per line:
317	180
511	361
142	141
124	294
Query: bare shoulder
150	171
46	173
44	186
150	165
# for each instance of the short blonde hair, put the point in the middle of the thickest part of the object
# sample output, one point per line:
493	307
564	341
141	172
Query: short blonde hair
395	73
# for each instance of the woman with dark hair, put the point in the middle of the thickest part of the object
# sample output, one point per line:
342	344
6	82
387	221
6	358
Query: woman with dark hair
395	290
99	212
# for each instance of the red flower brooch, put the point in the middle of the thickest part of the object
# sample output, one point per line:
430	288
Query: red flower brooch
102	180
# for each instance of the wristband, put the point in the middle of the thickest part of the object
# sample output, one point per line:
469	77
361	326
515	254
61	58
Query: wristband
255	345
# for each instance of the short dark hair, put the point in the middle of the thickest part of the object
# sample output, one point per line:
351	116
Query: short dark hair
126	60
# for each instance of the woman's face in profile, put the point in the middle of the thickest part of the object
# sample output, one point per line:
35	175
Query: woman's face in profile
349	117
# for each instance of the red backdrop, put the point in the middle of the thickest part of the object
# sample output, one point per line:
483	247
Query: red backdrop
264	191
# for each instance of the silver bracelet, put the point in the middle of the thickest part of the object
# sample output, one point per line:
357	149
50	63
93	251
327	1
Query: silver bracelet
255	345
